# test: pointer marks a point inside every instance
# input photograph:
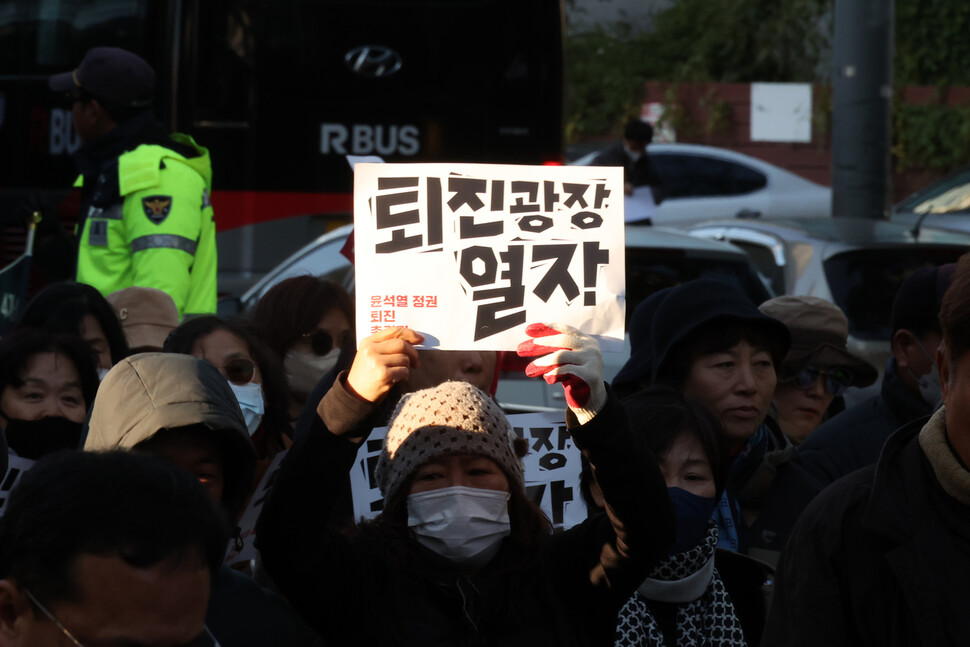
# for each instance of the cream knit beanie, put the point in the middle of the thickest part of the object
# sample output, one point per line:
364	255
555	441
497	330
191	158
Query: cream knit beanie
451	418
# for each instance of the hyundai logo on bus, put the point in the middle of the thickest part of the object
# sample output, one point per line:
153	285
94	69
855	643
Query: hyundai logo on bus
369	139
373	61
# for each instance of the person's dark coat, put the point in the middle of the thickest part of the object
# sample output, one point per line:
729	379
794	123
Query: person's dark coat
369	590
881	557
637	372
639	173
746	580
853	439
771	490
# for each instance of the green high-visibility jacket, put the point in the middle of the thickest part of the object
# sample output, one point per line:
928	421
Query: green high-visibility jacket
158	230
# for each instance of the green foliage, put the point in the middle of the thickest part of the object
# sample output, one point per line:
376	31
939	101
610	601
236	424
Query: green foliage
932	42
932	47
740	40
604	78
719	113
770	40
931	136
692	40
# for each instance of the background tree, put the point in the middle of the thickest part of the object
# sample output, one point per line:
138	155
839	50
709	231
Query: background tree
770	40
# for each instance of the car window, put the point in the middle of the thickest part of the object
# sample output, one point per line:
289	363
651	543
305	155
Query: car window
949	195
764	259
650	270
864	283
701	176
324	261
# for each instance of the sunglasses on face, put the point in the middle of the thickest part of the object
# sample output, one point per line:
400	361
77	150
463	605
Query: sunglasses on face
321	342
837	380
240	370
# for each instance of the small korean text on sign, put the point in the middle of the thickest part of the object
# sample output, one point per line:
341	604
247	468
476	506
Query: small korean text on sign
469	254
552	469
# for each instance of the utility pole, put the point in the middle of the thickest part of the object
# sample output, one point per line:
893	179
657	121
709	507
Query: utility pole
861	108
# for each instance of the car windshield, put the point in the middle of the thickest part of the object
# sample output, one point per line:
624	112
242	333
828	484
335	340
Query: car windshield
949	195
864	283
650	270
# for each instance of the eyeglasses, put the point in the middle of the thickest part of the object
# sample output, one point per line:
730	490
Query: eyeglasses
240	370
320	342
837	380
205	639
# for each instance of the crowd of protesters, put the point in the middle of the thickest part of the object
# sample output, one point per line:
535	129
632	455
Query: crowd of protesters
135	441
732	499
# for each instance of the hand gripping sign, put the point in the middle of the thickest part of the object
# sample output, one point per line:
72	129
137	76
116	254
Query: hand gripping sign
467	254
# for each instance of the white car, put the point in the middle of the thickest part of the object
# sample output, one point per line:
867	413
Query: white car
857	264
944	204
706	183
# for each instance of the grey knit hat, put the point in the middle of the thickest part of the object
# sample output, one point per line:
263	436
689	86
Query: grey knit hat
451	418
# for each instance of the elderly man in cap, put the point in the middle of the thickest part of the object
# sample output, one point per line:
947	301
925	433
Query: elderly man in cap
145	215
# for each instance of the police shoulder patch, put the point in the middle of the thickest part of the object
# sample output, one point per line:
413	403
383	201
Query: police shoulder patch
157	207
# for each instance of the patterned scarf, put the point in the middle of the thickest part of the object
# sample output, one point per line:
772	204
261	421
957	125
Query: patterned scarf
707	621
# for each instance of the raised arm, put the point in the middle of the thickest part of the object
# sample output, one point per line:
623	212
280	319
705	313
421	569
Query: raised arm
313	564
616	551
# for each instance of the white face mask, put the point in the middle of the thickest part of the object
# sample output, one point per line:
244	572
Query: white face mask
634	155
929	384
250	398
462	524
101	373
929	388
304	370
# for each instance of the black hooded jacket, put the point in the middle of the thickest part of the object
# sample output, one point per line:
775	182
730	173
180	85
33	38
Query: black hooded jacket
146	393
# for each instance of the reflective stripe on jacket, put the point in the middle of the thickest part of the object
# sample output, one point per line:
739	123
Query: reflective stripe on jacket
159	232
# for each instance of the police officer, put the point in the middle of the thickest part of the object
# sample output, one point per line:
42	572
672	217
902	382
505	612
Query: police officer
145	215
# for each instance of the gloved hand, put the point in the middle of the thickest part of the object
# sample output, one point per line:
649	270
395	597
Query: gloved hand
569	356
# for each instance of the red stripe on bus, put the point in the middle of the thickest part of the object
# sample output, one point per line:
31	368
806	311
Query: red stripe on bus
240	208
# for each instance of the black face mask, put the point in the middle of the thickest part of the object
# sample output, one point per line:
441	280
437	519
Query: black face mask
36	438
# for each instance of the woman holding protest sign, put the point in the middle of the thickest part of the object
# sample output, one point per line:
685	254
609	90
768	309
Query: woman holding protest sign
459	554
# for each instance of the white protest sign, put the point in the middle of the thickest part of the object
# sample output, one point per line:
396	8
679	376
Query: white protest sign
15	471
552	469
246	550
469	254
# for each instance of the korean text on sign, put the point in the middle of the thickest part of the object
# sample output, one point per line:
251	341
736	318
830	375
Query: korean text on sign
552	469
468	254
